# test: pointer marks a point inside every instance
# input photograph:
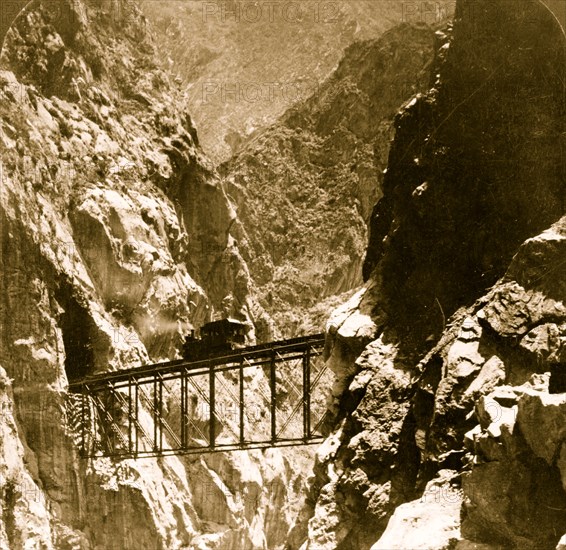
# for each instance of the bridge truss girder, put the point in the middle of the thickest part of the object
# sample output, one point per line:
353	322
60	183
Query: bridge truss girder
245	400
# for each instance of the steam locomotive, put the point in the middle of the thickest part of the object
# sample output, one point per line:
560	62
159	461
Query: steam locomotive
216	338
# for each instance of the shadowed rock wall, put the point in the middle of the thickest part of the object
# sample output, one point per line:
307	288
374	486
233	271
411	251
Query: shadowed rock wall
448	359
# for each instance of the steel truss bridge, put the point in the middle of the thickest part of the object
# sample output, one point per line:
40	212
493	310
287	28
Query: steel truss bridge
262	396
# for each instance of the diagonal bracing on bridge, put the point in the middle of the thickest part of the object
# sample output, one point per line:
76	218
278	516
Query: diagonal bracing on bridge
264	396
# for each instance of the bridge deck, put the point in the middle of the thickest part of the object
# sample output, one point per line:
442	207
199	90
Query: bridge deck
217	361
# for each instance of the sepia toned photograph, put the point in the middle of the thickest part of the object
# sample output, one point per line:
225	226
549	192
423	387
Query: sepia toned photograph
283	275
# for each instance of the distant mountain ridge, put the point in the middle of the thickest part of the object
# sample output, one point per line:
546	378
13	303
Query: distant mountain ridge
243	64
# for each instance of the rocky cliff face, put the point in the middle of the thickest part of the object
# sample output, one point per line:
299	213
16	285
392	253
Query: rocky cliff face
117	236
304	188
115	240
448	431
115	133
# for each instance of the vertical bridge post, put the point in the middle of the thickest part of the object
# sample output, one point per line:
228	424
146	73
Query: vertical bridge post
130	418
273	397
212	400
242	410
84	397
184	410
307	394
136	412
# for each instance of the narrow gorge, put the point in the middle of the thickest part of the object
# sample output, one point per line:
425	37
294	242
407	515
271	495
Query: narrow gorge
409	204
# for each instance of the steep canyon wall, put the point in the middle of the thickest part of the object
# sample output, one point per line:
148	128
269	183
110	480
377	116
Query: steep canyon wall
447	429
115	241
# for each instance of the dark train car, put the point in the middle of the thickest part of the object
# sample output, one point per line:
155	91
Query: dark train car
215	338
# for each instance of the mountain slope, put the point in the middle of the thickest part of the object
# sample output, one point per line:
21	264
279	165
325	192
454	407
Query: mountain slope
243	64
303	189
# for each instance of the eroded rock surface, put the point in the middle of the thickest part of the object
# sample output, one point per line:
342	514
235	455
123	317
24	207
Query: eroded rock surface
465	296
115	241
304	187
244	64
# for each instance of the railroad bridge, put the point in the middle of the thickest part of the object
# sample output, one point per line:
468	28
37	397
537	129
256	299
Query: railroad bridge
261	396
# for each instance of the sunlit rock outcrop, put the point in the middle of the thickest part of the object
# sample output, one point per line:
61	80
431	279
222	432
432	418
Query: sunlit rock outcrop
115	241
432	521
